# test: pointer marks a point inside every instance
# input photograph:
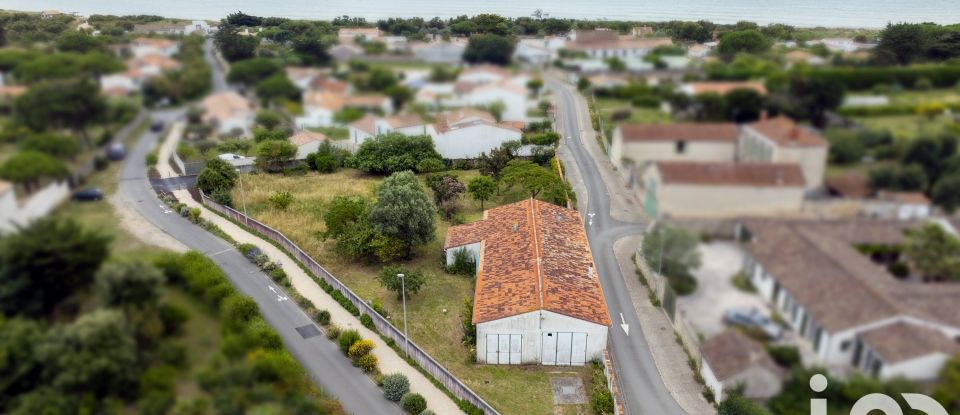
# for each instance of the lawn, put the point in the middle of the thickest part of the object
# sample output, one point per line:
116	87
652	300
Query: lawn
913	97
607	106
910	126
434	312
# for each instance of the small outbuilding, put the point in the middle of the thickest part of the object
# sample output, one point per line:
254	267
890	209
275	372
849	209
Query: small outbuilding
731	361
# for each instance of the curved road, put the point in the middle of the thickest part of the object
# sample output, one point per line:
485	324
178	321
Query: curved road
319	357
643	390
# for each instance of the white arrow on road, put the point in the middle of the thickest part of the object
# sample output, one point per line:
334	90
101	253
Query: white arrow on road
623	323
279	297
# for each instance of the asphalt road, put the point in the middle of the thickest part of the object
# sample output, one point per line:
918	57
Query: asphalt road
319	357
643	391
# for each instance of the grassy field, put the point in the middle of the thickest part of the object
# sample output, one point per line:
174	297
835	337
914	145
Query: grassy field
607	107
435	312
945	96
909	126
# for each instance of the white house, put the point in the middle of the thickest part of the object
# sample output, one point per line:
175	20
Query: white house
465	133
603	44
852	312
19	212
450	52
534	51
730	361
484	74
538	297
898	205
351	34
720	87
513	97
320	106
781	140
144	46
371	126
307	142
229	112
721	189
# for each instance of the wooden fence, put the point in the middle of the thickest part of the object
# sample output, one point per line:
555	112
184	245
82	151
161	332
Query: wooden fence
428	363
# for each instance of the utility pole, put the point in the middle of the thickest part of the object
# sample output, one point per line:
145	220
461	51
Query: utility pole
243	199
403	294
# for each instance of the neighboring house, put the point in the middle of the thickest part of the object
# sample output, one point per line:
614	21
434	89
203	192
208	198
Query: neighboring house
898	205
320	106
345	51
534	51
720	88
538	297
721	189
731	361
484	74
47	14
842	44
229	112
139	70
145	46
634	146
303	77
450	52
8	93
605	44
371	126
197	26
466	133
865	101
781	140
851	311
307	142
395	43
698	51
16	212
470	94
158	28
799	56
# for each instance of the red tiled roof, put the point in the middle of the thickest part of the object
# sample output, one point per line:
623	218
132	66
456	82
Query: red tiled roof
723	88
680	131
786	132
533	256
730	174
306	136
367	124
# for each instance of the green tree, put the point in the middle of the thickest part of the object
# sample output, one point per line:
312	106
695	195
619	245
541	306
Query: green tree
902	43
742	41
412	280
129	284
342	214
481	188
96	354
934	252
233	45
710	106
216	175
845	147
812	97
73	104
18	338
616	64
533	178
535	85
273	155
251	71
489	48
46	262
736	404
277	87
946	192
673	252
269	119
77	41
57	145
403	212
744	104
30	167
393	152
947	390
494	164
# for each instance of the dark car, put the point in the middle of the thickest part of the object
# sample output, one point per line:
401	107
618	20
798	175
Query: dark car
88	195
116	152
157	126
753	319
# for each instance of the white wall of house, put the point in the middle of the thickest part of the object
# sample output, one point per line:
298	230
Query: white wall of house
758	381
480	77
643	152
306	149
533	328
685	200
473	249
140	51
15	212
119	81
468	142
924	368
711	381
515	104
315	117
756	147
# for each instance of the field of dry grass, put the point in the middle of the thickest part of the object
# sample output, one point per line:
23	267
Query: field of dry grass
435	312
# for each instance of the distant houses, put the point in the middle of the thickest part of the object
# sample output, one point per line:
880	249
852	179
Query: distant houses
151	58
482	85
538	297
229	113
603	44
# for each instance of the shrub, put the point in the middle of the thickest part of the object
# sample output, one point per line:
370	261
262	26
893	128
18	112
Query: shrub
172	317
194	214
378	379
899	270
347	339
280	200
427	412
360	349
376	306
367	321
323	317
413	403
463	263
222	196
602	402
333	331
156	403
158	379
152	158
100	163
367	363
786	356
395	386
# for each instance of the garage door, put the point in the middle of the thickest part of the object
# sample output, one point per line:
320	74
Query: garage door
564	349
504	349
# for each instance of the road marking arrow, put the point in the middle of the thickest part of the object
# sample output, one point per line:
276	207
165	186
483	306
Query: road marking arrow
271	288
623	323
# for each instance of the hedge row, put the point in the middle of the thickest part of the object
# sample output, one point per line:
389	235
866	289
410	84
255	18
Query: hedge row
863	78
884	110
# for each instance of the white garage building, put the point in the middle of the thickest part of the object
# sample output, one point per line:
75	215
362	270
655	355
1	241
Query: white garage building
538	298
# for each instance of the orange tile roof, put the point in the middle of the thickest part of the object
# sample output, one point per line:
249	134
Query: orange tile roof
498	70
367	124
534	256
680	131
786	132
730	174
403	121
306	136
323	99
366	100
448	120
723	88
224	105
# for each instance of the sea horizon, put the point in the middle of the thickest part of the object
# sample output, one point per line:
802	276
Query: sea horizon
870	14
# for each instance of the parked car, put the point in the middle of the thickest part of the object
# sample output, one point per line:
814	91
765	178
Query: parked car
116	152
157	126
88	195
754	320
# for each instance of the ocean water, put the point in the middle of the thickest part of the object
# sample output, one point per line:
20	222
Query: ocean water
804	13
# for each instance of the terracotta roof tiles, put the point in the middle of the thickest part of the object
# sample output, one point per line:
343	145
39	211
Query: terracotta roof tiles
730	174
786	132
680	131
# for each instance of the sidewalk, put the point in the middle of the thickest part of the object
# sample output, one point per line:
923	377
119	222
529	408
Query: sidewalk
167	148
390	361
658	330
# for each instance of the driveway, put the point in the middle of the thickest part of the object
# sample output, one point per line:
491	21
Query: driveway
715	293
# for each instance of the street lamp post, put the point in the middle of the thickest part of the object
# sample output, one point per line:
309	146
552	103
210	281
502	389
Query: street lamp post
243	199
403	294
